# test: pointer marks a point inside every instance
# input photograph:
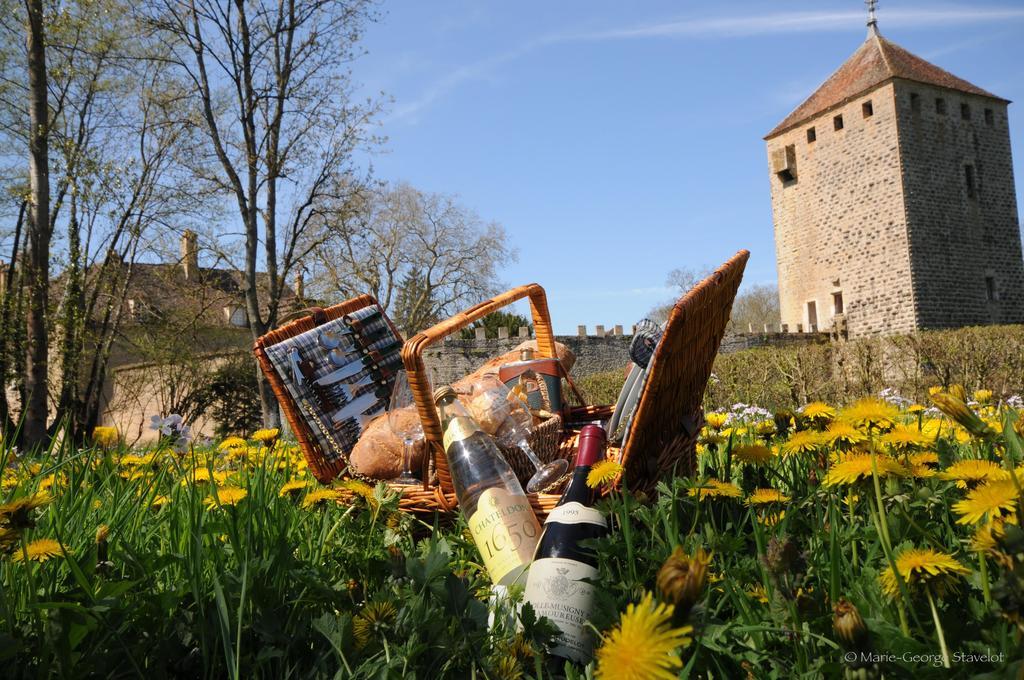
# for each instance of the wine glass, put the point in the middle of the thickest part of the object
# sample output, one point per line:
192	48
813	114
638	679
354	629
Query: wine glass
410	429
514	432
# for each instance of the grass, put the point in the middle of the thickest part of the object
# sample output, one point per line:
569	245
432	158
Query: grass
163	572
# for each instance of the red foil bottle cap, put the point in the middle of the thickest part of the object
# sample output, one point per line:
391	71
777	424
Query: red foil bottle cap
591	445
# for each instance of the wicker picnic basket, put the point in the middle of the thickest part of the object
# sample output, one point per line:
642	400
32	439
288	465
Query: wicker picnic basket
666	422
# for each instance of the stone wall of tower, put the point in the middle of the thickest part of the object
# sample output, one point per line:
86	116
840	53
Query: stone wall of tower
958	240
840	226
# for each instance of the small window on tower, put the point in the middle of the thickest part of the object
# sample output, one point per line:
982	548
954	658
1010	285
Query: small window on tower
867	109
940	106
811	135
990	117
837	122
915	102
837	302
990	289
965	111
969	180
812	316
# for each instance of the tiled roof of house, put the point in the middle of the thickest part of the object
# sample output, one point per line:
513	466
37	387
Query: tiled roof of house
164	288
875	62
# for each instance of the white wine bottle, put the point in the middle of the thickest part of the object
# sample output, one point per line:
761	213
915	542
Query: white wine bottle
555	585
497	510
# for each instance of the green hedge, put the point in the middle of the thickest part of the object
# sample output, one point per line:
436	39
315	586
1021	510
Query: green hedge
990	357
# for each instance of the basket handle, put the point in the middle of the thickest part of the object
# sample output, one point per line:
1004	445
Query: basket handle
419	382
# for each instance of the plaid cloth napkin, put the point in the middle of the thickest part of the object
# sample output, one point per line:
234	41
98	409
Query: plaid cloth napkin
337	411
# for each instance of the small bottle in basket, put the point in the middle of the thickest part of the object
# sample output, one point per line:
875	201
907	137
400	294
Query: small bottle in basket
555	587
497	510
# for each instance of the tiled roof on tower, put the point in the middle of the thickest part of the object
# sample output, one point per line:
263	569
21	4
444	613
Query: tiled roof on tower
875	62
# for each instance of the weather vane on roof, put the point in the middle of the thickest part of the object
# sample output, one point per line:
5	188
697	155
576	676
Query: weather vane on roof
872	19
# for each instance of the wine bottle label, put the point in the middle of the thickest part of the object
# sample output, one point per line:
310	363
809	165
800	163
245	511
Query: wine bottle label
505	530
459	428
556	590
576	513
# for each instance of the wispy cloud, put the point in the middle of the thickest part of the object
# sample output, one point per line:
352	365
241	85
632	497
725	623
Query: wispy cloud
799	22
711	27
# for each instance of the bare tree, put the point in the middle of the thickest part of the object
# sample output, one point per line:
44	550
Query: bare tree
756	306
39	232
681	279
422	255
271	85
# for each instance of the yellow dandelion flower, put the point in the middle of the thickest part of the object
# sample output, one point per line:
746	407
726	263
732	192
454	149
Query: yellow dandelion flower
159	501
232	443
196	476
765	428
106	437
804	441
970	472
987	501
934	389
18	513
870	413
603	473
757	592
711	438
986	536
843	436
818	412
755	454
715	421
373	618
903	439
644	646
924	458
766	497
266	436
39	550
714	488
48	482
8	539
983	396
361	489
314	498
923	568
225	495
916	409
293	487
852	467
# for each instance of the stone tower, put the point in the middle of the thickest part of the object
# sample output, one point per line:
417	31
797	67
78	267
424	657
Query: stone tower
893	201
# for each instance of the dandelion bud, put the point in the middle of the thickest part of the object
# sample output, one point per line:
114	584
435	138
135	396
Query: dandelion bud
957	392
681	578
848	625
103	563
956	409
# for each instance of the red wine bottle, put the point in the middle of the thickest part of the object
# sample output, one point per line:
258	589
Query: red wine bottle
555	585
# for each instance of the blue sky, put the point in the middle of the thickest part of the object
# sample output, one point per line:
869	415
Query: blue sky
616	141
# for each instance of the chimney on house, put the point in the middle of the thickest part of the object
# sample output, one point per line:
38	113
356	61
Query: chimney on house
190	255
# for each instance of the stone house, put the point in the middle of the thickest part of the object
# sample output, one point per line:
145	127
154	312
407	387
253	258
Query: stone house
179	323
893	201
